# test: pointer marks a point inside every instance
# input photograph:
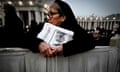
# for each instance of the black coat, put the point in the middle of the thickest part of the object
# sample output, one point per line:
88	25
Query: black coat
12	34
82	41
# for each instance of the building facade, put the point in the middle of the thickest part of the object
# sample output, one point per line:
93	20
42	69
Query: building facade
27	10
91	22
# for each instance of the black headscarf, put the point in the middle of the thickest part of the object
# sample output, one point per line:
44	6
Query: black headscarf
67	11
9	9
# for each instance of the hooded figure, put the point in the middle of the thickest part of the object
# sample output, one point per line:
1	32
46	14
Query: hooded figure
13	33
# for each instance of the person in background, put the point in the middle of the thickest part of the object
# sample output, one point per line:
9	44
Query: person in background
115	31
13	33
99	39
61	15
115	36
115	40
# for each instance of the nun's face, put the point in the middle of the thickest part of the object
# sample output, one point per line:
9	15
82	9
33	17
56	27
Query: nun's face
54	15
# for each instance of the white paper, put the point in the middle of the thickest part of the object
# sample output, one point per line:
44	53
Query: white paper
55	35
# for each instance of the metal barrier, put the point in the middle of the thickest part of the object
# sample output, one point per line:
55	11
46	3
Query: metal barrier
12	59
100	59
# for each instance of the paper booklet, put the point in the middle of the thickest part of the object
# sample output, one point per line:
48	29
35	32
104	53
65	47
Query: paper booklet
55	35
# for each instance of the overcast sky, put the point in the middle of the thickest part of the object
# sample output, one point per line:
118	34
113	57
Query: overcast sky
97	7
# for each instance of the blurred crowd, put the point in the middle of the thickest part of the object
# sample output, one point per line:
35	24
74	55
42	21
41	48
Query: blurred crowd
102	37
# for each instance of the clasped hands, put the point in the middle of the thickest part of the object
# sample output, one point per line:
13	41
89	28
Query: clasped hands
48	51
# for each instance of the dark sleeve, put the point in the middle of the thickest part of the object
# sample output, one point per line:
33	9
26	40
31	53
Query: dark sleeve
34	45
81	42
32	41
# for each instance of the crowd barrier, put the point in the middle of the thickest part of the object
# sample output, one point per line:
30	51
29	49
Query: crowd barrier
100	59
12	59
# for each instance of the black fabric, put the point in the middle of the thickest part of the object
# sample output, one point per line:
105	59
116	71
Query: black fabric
81	41
32	41
102	41
13	33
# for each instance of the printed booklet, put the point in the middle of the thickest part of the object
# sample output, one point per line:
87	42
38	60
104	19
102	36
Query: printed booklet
55	35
